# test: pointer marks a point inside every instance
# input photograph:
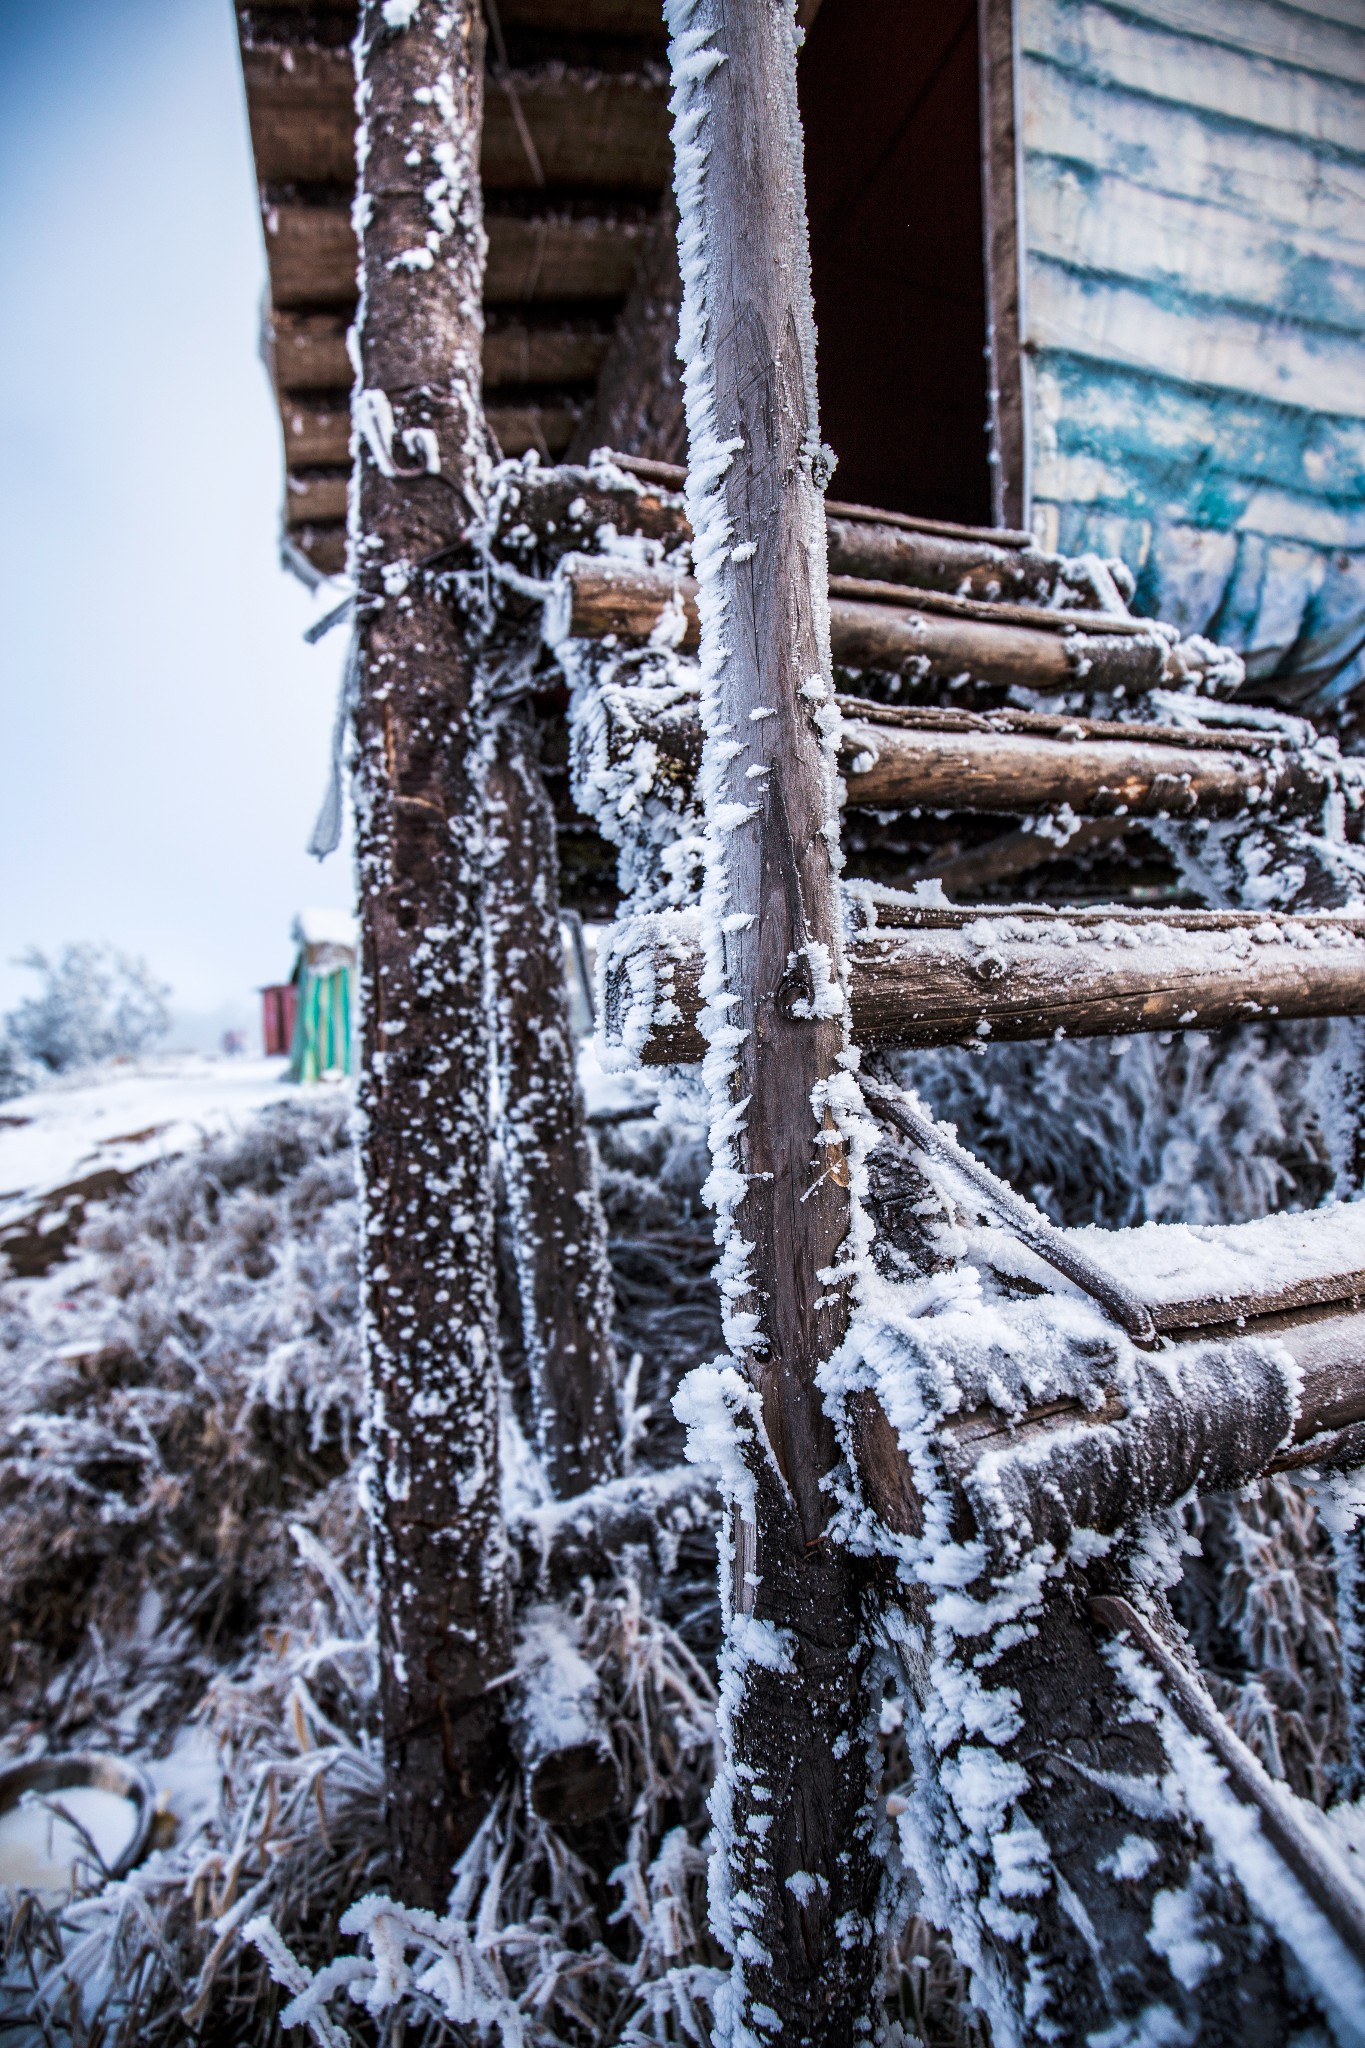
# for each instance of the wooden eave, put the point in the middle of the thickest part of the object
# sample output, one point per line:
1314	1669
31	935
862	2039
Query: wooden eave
584	84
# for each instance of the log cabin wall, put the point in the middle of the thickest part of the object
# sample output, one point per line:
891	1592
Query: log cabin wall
575	160
1194	209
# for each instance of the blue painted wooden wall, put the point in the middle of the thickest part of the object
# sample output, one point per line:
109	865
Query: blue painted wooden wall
1194	227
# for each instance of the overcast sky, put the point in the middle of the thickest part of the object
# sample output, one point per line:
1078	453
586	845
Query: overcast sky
164	732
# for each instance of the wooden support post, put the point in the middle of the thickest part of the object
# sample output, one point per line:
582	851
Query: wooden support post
558	1232
797	1879
427	1201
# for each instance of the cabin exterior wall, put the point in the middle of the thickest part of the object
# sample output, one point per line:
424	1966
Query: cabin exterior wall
1194	309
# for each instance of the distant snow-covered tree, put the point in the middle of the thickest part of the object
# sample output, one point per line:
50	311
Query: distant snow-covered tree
92	1004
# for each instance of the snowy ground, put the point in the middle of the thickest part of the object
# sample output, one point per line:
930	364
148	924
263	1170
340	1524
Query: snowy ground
124	1116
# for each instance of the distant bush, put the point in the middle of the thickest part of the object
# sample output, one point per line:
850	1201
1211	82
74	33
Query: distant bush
93	1003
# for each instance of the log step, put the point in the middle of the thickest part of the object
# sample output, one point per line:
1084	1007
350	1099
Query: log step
1015	763
1200	1275
932	634
924	975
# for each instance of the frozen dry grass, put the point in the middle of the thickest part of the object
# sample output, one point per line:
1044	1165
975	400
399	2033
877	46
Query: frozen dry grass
179	1442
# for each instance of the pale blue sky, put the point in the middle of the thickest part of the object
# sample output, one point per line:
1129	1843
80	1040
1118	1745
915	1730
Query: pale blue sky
163	729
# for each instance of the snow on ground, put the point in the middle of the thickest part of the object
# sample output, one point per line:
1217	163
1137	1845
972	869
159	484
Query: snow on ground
125	1115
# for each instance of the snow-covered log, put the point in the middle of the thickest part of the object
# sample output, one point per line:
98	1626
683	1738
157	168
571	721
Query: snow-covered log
1207	1417
1096	1876
640	1520
794	1879
558	1233
1012	762
878	625
440	1548
556	1722
924	974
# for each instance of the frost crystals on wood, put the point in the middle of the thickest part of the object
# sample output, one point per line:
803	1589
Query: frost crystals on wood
439	1541
793	1879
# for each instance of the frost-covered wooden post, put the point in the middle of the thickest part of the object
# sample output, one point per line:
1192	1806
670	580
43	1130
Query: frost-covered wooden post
794	1880
558	1233
424	1142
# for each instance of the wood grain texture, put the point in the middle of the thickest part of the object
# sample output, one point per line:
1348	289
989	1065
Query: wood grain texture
794	1781
1013	762
954	976
559	1235
426	1191
880	626
1001	180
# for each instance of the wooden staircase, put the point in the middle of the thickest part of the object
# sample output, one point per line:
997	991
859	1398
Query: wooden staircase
918	606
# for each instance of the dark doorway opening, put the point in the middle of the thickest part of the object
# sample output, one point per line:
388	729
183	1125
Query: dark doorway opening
891	103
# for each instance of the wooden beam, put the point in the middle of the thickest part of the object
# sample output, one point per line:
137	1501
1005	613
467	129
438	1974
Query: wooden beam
1001	189
316	430
1311	1857
633	18
426	1187
561	255
547	428
1077	1754
927	976
531	257
558	1233
1014	763
300	102
928	555
324	547
800	1880
316	499
875	625
518	351
311	254
590	129
307	351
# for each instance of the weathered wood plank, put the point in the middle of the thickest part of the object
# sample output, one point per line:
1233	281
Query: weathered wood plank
316	500
561	256
923	977
1284	180
1331	47
1121	423
591	131
316	430
301	108
308	351
1318	369
1119	228
517	351
1114	46
312	256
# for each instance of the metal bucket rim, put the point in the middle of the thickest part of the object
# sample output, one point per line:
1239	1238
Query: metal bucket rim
71	1769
